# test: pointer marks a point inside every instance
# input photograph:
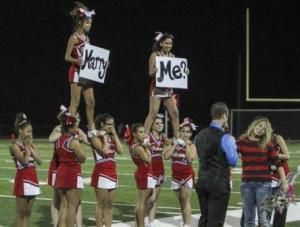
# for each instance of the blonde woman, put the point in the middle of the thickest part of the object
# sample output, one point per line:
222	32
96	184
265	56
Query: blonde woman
256	153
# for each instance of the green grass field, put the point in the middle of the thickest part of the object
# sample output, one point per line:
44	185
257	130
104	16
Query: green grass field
126	193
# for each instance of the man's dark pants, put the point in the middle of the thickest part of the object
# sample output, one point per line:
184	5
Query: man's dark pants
213	198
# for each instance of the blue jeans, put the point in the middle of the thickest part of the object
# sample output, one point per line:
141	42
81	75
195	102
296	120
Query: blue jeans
253	193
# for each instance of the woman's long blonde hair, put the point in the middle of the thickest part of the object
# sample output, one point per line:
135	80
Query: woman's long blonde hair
266	138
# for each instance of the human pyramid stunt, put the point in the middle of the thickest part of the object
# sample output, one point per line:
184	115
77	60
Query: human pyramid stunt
216	150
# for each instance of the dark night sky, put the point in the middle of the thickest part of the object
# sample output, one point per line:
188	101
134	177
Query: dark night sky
211	36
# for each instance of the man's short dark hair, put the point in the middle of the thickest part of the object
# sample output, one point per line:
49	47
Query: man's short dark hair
218	109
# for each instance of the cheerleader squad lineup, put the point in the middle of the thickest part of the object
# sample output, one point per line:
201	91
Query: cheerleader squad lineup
258	149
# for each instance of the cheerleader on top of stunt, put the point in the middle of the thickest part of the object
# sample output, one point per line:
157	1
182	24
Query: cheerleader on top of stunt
162	47
82	19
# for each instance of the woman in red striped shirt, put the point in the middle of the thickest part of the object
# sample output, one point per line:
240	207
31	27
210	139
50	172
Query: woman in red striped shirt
257	154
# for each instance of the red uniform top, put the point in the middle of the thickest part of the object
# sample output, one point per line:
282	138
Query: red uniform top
19	165
142	167
54	163
156	149
77	52
78	48
69	169
180	165
107	161
66	156
26	180
285	166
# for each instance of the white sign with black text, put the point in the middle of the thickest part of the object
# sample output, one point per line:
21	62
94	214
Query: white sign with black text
171	72
95	63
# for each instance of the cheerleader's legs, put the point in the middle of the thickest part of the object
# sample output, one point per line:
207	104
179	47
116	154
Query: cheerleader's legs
154	104
73	199
70	199
24	206
75	97
174	115
104	206
55	207
152	211
79	215
141	206
88	95
184	195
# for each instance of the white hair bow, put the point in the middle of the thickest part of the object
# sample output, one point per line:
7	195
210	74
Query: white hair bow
189	122
62	111
86	12
24	119
159	115
158	36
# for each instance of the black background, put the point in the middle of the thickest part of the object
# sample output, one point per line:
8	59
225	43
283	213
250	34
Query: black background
211	35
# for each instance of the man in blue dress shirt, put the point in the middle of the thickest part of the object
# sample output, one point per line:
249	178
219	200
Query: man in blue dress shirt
217	155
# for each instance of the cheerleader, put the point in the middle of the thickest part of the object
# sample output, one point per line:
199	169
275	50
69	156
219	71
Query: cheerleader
54	163
157	143
182	153
283	154
25	156
68	180
162	47
82	24
139	149
104	177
